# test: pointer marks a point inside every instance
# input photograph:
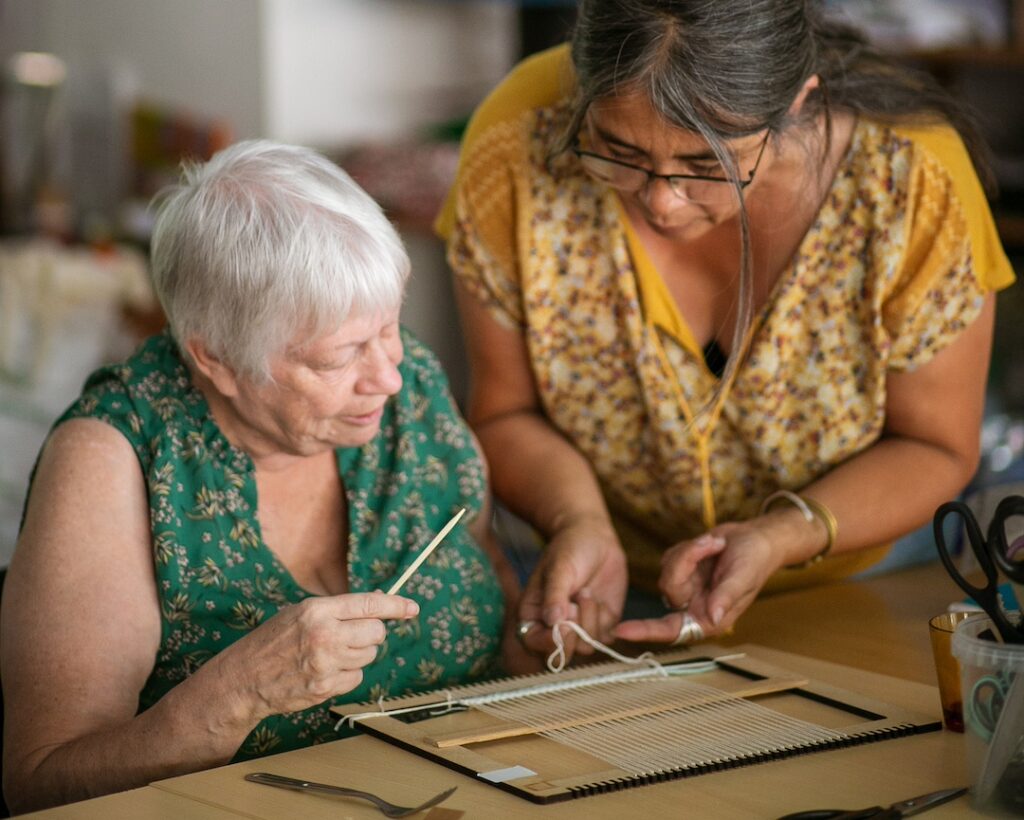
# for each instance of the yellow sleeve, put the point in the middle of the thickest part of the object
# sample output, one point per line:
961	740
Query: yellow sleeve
540	80
479	220
953	256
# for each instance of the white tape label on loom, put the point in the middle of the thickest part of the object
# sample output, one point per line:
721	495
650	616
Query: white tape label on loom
504	775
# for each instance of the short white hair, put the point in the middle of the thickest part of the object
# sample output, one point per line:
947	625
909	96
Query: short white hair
268	242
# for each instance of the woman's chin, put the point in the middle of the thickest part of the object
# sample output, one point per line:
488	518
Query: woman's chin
689	230
356	437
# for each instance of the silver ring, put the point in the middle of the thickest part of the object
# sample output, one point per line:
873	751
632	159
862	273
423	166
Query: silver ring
689	632
524	627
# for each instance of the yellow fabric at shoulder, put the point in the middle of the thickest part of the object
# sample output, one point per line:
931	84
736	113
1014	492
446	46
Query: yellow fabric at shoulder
942	144
540	80
951	256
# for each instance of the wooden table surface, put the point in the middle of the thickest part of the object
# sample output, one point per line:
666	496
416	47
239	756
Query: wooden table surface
870	637
880	624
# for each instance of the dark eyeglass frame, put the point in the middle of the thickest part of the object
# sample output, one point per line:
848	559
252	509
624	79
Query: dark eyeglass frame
651	175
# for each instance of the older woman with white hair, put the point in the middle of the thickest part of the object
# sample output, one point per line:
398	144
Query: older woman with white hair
210	524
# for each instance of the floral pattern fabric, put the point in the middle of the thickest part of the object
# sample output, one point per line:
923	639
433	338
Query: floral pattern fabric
896	264
218	580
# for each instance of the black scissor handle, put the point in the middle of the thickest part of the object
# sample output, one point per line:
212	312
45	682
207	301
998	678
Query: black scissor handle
988	595
977	543
999	547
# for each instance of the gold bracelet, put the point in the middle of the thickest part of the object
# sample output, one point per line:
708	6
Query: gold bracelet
811	509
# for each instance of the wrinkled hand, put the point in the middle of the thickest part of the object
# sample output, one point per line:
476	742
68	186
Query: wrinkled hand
582	577
310	651
714	578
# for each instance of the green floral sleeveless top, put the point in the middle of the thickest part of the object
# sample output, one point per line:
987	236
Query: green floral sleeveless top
216	578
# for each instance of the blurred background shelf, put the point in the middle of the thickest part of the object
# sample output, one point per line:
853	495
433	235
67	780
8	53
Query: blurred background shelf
947	59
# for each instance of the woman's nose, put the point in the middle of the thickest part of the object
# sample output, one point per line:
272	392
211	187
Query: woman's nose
380	368
659	197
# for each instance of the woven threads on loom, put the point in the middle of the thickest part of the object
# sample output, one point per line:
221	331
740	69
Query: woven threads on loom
685	725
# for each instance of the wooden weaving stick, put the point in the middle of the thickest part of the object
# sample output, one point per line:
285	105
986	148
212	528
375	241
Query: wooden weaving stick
447	528
507	729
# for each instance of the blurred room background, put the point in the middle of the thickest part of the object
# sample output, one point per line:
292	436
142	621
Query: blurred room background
101	99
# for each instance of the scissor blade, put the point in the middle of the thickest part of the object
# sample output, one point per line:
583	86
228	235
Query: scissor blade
915	805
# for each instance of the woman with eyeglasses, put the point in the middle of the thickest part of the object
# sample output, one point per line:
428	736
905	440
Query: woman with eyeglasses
726	275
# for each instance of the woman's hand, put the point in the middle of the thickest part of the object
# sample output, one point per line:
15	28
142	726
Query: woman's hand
309	652
542	477
516	658
714	578
582	577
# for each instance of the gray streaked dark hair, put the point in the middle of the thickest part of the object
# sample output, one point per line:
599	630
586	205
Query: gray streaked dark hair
730	68
267	243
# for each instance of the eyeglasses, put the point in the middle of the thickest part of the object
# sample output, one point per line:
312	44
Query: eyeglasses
697	188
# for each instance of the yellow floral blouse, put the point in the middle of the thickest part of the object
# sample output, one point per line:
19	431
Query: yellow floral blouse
895	266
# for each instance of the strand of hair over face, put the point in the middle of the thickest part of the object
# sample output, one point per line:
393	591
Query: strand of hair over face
730	68
694	63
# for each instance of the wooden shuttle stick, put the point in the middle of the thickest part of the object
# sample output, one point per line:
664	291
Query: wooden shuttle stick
447	528
509	729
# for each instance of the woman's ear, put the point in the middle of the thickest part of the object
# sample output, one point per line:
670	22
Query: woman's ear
809	85
212	368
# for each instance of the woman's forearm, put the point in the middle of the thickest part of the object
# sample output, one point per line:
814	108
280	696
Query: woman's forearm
928	451
197	725
883	493
538	474
581	574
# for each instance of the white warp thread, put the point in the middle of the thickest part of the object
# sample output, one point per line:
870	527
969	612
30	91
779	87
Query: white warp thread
557	659
556	663
450	706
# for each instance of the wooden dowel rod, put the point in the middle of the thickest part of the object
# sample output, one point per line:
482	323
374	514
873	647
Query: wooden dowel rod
506	729
426	551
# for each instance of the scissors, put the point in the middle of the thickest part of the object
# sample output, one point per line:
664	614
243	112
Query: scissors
905	808
1008	555
984	550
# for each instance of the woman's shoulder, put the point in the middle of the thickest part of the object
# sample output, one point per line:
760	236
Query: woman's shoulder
152	383
932	153
938	140
539	81
941	147
943	189
516	123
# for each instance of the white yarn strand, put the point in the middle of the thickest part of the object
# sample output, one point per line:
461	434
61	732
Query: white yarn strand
556	663
557	659
451	705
